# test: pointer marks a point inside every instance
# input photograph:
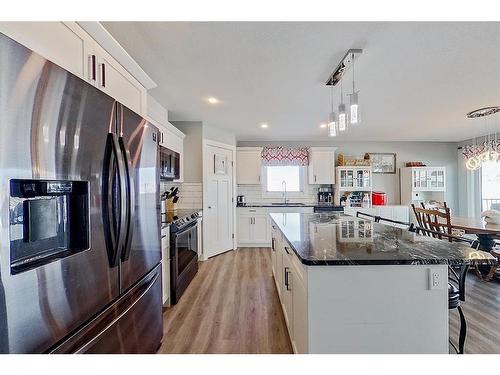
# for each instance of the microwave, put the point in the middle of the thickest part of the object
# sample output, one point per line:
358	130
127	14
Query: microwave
169	164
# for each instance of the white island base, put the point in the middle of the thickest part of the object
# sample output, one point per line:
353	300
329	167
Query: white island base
361	309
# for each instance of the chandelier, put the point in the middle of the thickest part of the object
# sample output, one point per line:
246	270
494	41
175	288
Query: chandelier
476	154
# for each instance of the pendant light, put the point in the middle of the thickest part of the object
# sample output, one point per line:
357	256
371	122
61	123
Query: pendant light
342	114
332	119
354	107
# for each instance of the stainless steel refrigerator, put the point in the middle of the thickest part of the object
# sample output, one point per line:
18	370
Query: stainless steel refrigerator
79	215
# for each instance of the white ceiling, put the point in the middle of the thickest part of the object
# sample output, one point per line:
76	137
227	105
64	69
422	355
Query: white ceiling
417	80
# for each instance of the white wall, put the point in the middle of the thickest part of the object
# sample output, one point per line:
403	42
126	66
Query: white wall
431	153
219	135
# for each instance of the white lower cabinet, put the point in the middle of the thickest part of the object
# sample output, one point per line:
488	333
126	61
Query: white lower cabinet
260	229
299	312
253	227
286	299
253	224
325	306
243	228
290	277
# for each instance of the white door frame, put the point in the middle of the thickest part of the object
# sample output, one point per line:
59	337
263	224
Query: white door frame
232	148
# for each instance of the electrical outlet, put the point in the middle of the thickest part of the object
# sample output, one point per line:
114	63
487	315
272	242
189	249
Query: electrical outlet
435	279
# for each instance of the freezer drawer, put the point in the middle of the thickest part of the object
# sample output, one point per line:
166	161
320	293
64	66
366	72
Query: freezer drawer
134	324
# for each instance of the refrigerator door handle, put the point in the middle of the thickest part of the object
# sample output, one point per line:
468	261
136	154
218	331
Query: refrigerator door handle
114	236
130	207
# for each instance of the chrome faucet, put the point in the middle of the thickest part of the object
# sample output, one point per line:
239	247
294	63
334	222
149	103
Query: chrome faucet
283	188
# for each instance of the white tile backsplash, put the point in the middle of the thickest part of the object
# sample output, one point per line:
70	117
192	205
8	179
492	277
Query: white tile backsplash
253	194
190	194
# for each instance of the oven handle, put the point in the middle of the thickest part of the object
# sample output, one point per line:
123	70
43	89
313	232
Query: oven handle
185	229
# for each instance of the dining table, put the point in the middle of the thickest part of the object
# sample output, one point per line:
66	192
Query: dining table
487	235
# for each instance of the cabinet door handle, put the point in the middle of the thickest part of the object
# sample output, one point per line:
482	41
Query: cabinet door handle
286	249
314	178
287	281
103	75
272	243
92	67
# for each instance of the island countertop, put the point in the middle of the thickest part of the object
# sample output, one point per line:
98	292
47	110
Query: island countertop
338	239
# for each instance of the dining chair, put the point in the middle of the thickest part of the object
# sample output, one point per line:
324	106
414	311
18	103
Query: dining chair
436	220
442	206
437	205
456	283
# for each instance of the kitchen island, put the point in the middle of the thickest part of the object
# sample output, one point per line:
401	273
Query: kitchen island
349	285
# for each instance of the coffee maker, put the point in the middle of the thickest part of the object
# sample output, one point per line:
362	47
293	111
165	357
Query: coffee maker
325	195
240	200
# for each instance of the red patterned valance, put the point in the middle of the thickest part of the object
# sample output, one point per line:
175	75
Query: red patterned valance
285	156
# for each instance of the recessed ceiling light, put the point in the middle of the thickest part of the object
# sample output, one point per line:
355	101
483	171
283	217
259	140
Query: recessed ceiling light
213	100
264	126
322	126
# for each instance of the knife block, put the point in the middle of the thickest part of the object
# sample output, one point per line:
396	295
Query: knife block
170	205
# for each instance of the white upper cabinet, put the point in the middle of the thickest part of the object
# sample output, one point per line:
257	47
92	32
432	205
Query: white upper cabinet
354	178
428	178
63	43
248	165
74	49
322	165
114	80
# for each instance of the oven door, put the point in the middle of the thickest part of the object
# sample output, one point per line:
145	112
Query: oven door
185	247
184	259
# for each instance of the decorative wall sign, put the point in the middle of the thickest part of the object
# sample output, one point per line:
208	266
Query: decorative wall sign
383	162
220	164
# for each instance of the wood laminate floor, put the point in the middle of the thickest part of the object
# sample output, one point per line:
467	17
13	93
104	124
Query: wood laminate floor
232	306
482	312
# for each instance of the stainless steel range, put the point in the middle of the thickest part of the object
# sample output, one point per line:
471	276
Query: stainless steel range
184	245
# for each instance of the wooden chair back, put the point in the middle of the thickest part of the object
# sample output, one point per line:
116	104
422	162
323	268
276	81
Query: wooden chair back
436	220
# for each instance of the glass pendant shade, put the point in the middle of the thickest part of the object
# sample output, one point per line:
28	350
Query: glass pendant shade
342	118
354	109
332	124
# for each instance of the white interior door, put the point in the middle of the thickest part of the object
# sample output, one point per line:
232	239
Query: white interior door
217	204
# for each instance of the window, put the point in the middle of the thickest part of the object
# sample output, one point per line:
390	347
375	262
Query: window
292	175
490	185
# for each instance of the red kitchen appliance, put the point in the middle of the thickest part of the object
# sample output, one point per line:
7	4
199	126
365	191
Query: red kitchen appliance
379	198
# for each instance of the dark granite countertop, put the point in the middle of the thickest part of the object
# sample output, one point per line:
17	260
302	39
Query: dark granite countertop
338	239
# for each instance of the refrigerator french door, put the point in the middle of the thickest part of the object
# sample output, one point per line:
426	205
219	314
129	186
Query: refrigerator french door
143	250
78	269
